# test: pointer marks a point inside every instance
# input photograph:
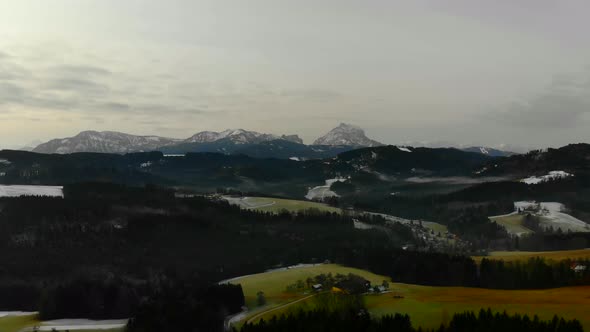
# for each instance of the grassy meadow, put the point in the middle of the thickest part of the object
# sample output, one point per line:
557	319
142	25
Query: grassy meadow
17	323
274	284
431	306
28	322
428	306
276	205
524	255
513	223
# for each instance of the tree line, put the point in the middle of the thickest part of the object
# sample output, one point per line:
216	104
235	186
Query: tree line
483	321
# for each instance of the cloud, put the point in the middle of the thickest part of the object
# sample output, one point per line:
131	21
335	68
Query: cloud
9	70
316	95
79	86
79	70
563	104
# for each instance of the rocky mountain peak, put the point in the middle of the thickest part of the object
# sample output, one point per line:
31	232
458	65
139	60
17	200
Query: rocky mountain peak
347	134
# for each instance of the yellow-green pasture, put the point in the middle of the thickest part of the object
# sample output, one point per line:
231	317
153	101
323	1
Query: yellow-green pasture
431	306
514	223
17	323
276	205
28	322
510	256
274	284
427	306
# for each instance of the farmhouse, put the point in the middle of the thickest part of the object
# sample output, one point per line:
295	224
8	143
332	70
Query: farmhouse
578	268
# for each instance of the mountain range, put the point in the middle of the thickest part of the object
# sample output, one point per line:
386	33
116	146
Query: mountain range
344	137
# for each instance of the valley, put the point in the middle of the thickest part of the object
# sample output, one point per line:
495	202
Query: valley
418	220
294	166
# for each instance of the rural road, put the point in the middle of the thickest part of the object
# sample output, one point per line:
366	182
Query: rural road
251	319
230	320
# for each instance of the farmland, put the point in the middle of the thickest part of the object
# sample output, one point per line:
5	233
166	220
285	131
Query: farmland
427	306
30	322
513	223
431	306
17	323
276	205
550	215
274	283
524	255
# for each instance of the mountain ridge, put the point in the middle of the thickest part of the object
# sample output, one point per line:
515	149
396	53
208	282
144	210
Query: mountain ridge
344	137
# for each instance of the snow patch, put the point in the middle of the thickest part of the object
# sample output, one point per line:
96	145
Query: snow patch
553	175
82	324
24	190
404	149
551	215
322	192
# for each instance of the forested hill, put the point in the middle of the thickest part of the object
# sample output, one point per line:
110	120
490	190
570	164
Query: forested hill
209	170
573	158
407	160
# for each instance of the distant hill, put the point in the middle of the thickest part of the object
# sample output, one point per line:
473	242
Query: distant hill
395	160
209	171
278	148
489	151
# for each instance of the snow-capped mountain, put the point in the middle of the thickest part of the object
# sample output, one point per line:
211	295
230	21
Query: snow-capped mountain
239	136
348	135
115	142
104	142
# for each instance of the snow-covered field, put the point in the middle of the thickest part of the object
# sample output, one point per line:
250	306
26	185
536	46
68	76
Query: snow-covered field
321	192
553	175
82	324
23	190
68	324
16	313
552	216
248	202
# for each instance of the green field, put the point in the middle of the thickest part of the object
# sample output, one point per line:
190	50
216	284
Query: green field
428	306
274	284
431	306
17	323
435	227
20	323
276	205
550	255
513	223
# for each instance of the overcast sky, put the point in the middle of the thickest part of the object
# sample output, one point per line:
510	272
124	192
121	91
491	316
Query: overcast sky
463	71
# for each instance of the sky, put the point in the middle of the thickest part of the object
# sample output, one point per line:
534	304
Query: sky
496	73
